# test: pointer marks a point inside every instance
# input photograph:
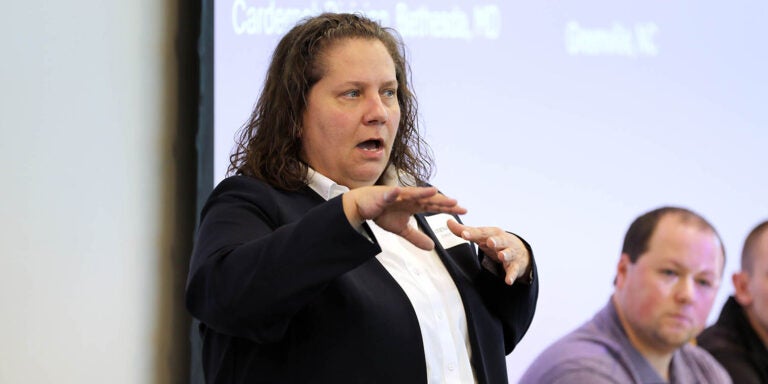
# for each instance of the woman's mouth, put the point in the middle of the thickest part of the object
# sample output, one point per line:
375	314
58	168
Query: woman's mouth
371	145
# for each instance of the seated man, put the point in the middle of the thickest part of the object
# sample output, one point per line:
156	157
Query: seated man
739	338
666	281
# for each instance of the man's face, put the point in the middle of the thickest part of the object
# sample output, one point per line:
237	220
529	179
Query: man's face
754	293
664	298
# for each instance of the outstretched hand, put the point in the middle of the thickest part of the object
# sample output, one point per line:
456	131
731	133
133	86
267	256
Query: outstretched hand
391	208
499	245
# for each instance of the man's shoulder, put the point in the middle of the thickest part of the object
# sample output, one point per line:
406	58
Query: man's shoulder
732	332
696	353
697	358
719	337
580	356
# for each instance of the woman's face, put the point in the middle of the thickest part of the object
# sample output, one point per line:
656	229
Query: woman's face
352	113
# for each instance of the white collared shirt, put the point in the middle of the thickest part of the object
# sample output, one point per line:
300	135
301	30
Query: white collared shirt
431	290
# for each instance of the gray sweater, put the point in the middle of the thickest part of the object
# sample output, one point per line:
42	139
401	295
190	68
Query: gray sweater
599	352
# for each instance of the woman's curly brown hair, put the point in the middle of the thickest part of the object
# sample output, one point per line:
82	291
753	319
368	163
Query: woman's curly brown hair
269	144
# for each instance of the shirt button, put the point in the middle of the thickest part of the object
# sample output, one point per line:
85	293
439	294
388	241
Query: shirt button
439	316
451	367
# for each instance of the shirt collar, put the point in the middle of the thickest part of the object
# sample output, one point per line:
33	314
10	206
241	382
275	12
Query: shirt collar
325	187
329	189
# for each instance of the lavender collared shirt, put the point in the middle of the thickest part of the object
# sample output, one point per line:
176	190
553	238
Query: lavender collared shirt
599	352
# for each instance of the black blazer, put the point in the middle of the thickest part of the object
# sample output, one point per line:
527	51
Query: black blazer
734	343
287	291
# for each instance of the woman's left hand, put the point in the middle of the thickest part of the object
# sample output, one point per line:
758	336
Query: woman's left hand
501	246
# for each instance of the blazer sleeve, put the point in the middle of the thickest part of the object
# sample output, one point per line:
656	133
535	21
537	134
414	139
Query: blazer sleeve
261	255
515	305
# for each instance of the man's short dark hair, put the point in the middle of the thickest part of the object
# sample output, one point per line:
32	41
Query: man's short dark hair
748	252
640	231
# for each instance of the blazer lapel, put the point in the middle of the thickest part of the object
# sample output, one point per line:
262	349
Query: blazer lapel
457	254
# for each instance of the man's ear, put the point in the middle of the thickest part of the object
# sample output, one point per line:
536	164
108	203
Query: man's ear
621	271
741	288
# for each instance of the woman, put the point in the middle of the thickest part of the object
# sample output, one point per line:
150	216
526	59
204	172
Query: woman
316	262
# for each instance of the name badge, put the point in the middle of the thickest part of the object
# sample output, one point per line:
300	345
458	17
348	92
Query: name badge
439	225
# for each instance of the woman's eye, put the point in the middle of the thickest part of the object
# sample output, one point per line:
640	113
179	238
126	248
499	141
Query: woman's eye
352	93
390	93
668	272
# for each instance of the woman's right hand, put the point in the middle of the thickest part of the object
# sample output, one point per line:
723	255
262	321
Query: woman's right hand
391	208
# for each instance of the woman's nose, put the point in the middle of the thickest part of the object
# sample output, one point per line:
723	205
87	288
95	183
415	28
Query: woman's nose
376	111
